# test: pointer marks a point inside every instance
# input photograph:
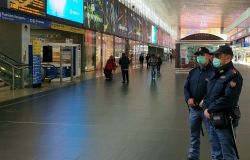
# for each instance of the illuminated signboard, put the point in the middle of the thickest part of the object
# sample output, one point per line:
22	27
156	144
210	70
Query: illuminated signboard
36	7
67	9
154	35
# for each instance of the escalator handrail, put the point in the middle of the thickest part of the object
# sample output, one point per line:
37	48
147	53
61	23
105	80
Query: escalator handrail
16	63
16	66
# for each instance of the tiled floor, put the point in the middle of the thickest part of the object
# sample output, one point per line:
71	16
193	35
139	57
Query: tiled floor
6	94
103	120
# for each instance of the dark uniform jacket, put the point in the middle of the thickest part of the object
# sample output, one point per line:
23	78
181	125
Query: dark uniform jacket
196	83
224	88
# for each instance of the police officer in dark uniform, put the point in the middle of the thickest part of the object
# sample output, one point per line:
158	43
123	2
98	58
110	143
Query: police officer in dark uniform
194	91
221	102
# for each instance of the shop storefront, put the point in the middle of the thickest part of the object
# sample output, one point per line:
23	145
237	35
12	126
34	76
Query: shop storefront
119	48
107	48
241	48
98	52
61	47
135	49
90	50
240	41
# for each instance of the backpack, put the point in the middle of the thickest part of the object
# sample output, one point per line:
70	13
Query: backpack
109	65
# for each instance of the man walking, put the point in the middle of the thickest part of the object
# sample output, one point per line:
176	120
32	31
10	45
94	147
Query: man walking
124	63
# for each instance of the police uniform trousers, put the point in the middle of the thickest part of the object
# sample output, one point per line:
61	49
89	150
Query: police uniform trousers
222	144
196	116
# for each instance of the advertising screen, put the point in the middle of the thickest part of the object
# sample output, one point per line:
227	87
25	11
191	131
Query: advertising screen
122	20
154	35
36	7
131	24
110	16
67	9
94	14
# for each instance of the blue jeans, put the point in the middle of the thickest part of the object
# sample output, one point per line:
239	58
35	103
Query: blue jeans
153	71
222	144
195	120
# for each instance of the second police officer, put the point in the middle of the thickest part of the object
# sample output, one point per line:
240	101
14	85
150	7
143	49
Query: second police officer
221	102
194	91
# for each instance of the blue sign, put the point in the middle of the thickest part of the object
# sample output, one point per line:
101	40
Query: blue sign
37	74
38	22
72	10
18	18
14	17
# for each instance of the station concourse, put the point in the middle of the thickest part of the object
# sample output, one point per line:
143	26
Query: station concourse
102	120
62	91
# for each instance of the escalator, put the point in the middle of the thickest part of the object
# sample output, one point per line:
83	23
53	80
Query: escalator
13	73
19	75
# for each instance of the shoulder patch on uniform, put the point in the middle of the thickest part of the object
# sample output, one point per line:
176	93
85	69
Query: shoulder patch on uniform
221	71
233	84
233	71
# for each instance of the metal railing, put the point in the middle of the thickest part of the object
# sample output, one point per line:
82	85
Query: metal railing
16	75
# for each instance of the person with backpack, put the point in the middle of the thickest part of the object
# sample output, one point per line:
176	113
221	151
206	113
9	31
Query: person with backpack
109	67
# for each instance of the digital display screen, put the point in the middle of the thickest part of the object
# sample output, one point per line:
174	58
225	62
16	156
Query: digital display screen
67	9
154	35
36	7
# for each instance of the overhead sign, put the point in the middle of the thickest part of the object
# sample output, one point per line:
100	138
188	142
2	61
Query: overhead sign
14	17
18	18
66	28
39	22
36	7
